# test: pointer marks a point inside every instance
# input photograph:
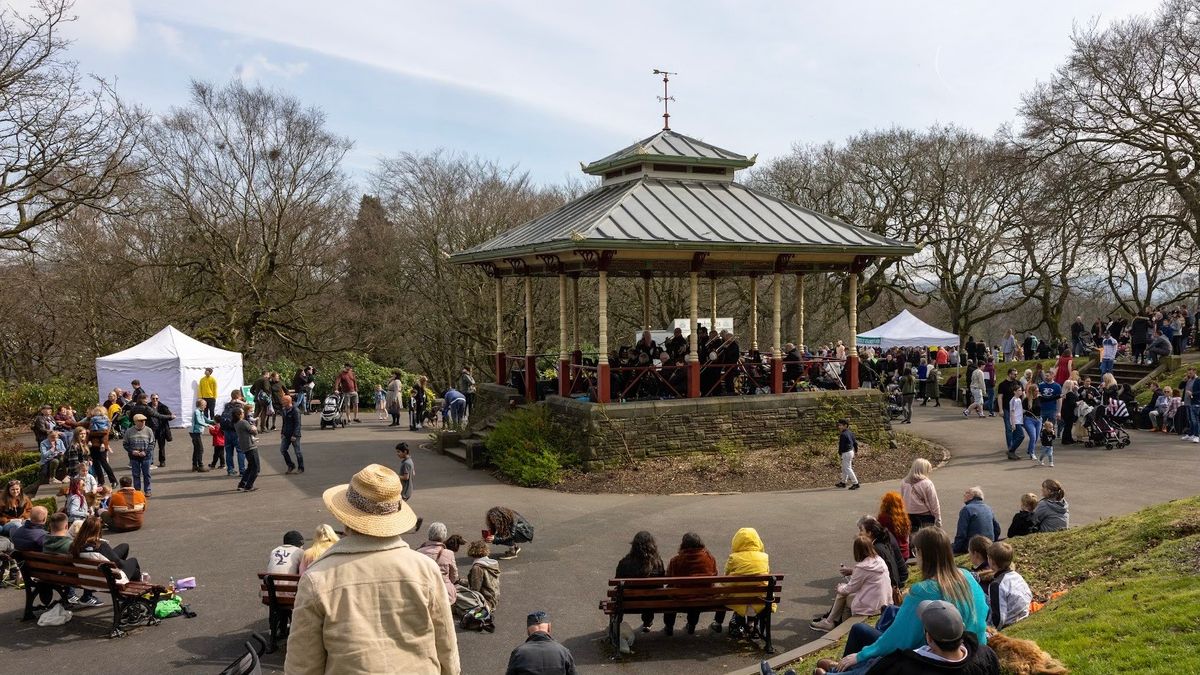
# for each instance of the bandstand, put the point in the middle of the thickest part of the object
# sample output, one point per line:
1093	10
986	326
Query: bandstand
668	205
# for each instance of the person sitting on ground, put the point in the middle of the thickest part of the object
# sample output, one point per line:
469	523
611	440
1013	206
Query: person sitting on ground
942	580
977	550
894	517
949	648
888	549
868	589
436	548
90	546
540	654
746	558
126	508
483	578
285	558
1051	513
642	562
322	540
76	506
1008	594
692	560
976	517
507	527
14	508
32	533
1023	522
920	496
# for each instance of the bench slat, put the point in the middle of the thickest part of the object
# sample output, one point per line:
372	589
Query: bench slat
695	581
694	591
672	605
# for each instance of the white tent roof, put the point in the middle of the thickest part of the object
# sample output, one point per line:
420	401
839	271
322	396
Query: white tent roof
171	347
906	330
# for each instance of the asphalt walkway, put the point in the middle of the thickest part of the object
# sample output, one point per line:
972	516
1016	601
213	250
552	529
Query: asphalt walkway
198	526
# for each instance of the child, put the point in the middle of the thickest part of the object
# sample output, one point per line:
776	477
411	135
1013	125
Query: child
483	580
100	424
218	436
868	589
847	446
1008	594
1172	409
1023	522
406	472
977	553
380	398
1046	440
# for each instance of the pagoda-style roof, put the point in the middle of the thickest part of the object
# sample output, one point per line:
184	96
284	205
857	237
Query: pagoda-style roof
649	221
669	147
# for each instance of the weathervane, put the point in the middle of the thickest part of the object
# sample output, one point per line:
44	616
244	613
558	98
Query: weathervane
666	98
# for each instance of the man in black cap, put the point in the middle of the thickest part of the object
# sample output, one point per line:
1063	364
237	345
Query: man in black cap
540	655
948	648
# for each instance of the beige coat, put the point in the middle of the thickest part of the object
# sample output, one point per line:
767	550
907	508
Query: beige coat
372	605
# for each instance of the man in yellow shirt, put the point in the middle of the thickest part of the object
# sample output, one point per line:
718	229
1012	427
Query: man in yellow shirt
208	391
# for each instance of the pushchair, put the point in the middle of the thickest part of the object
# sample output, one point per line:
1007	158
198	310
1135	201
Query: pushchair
333	411
1100	428
247	664
895	402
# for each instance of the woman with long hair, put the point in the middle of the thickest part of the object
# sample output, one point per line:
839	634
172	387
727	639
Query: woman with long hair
507	527
692	560
90	546
76	507
920	496
77	450
14	508
941	580
642	562
894	517
1051	513
322	540
98	448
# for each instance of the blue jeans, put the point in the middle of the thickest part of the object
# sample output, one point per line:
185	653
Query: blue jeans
302	402
283	449
1194	420
1106	366
1016	437
1033	429
231	448
861	635
1008	430
140	468
1047	452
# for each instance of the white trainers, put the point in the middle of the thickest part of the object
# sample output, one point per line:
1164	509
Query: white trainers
1196	439
1051	464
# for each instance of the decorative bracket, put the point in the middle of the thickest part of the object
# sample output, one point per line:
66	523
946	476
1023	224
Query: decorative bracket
781	262
490	270
860	263
518	265
698	260
552	263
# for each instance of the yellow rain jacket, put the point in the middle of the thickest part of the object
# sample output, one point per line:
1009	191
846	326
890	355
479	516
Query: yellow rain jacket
747	558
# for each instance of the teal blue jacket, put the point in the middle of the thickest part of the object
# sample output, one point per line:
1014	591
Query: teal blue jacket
906	631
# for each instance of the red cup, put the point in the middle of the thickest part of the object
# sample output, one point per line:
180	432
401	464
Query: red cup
486	533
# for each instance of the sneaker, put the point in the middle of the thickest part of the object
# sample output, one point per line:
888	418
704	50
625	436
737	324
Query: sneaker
824	625
1185	437
980	415
854	487
92	602
1195	439
966	413
840	484
250	489
714	627
300	470
1041	462
291	469
357	421
1012	455
1051	464
645	628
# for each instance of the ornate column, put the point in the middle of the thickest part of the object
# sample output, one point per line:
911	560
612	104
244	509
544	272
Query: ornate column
799	310
531	374
501	357
576	353
564	359
693	357
852	350
777	334
754	311
602	378
712	329
646	301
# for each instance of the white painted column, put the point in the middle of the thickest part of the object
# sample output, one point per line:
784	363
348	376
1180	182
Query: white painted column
562	318
529	316
754	312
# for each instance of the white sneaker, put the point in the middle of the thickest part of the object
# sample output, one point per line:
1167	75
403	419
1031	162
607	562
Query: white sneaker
1042	462
1196	439
1052	464
1185	437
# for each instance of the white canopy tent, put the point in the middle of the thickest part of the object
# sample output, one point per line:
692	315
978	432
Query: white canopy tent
171	364
906	330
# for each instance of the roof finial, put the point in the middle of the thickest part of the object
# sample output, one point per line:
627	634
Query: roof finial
666	97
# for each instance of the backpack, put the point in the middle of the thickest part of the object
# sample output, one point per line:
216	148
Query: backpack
522	530
226	420
478	619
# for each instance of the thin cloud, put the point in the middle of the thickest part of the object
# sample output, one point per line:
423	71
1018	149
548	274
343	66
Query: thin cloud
259	67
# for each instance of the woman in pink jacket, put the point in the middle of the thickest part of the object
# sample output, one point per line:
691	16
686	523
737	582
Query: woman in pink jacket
920	496
868	589
441	549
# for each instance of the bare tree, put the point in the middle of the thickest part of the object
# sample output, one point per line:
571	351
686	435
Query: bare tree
63	145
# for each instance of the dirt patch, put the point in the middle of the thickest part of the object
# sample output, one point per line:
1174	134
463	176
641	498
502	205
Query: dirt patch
736	469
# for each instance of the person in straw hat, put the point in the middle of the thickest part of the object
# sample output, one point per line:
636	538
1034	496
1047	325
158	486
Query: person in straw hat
371	604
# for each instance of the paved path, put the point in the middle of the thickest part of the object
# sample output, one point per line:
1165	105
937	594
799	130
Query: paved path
198	526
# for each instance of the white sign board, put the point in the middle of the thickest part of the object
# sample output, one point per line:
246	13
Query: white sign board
686	325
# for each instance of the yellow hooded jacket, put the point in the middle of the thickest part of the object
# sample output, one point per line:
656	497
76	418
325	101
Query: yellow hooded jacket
747	558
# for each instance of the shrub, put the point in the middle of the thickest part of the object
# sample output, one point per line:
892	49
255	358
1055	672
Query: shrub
526	446
367	372
50	503
19	401
28	475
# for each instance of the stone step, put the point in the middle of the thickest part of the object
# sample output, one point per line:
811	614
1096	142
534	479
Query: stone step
476	451
457	452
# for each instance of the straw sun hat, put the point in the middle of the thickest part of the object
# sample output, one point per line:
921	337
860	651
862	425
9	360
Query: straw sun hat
370	504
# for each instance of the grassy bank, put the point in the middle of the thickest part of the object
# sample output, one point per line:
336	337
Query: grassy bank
1133	593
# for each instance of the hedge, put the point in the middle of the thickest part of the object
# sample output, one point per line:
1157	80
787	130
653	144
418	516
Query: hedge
19	401
28	475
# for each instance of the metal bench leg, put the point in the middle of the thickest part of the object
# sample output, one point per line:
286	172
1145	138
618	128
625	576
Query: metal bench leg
31	591
765	627
614	632
273	621
118	611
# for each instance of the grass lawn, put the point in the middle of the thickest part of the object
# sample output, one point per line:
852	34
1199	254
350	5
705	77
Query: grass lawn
1171	379
1133	593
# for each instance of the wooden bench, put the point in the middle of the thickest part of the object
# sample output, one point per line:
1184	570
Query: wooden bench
679	595
133	603
280	590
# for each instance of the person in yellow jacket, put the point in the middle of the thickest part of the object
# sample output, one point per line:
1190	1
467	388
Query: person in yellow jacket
746	558
207	390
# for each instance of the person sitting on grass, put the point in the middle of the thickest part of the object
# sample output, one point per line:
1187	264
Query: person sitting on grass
942	580
692	560
1008	594
977	550
507	527
888	549
976	517
642	561
746	558
892	515
868	589
1052	513
1023	521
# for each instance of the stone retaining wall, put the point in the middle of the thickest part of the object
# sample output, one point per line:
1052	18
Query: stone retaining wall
607	434
490	401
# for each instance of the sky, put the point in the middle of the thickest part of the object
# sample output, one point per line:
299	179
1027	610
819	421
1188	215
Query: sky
546	85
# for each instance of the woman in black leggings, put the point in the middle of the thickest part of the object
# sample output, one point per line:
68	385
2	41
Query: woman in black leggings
99	454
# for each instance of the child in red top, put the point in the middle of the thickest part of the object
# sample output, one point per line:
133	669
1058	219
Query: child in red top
218	437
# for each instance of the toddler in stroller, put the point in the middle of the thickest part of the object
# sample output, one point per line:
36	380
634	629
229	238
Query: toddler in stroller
1100	427
895	402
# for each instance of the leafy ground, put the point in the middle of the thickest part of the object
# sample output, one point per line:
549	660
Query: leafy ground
1133	593
733	469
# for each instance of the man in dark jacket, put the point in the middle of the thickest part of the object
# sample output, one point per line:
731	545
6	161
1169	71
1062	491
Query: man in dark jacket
948	647
290	434
975	518
540	655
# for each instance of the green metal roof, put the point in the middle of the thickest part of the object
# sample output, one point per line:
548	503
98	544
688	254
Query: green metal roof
671	148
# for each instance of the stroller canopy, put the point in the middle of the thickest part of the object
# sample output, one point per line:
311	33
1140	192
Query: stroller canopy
171	364
906	330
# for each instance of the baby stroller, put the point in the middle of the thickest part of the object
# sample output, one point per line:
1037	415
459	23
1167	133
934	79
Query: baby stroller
1100	428
332	412
895	402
